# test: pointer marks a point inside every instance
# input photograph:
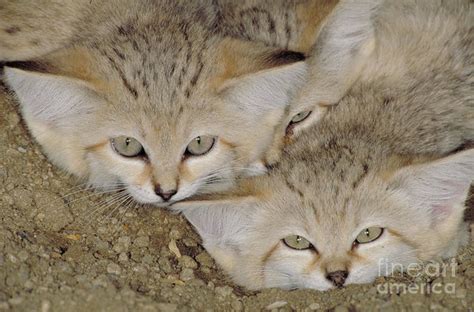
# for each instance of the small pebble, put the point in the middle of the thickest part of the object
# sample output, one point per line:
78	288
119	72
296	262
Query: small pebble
45	306
188	262
23	255
341	308
123	257
461	293
142	241
237	305
113	268
276	305
174	249
224	291
186	275
175	234
204	259
15	301
314	306
167	307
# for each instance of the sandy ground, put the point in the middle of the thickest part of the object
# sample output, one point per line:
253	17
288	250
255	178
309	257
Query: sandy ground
59	251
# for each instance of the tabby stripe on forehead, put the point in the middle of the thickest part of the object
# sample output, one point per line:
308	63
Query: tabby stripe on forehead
126	83
196	75
287	29
293	188
365	171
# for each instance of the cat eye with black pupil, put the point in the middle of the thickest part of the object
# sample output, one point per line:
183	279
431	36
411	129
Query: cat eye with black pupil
200	145
368	235
297	242
127	146
300	117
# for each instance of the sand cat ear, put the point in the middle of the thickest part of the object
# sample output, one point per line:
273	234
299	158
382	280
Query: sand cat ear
217	220
53	101
342	48
266	90
439	188
222	225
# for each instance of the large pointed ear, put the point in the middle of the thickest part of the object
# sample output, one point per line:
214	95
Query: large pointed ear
342	48
217	220
256	85
266	90
258	79
57	110
53	101
438	189
222	224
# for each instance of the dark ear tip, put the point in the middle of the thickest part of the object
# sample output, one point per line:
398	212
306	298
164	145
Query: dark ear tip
284	57
34	66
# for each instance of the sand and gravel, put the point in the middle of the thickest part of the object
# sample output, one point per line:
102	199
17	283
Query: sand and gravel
67	249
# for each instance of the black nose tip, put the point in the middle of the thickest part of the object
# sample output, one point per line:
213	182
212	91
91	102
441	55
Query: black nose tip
165	195
338	278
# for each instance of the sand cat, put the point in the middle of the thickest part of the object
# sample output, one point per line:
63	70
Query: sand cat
381	181
164	101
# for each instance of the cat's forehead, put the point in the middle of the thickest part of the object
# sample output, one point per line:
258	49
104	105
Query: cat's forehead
164	66
326	186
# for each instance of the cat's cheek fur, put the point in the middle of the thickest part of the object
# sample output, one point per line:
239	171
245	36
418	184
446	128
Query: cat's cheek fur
197	173
108	169
382	258
290	269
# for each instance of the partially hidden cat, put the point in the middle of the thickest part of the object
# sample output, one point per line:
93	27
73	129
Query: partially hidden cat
381	181
164	99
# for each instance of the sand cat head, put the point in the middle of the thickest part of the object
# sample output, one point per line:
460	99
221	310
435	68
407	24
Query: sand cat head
163	115
344	44
325	227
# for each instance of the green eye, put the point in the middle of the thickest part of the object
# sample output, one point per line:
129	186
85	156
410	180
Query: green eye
300	117
297	242
200	145
127	146
369	235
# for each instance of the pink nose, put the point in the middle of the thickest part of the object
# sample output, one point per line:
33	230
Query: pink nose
166	196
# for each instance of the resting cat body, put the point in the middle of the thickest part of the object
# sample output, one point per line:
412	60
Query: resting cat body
398	55
380	182
164	101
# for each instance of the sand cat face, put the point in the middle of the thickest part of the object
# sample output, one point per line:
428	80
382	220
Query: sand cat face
326	228
163	114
